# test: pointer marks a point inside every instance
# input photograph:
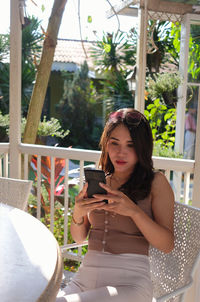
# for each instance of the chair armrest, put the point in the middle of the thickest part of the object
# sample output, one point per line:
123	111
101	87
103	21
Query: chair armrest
73	245
70	255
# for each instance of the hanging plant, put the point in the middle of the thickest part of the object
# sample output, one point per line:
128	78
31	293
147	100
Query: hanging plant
165	87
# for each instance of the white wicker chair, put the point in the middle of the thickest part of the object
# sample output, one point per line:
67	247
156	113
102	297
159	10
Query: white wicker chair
172	274
14	192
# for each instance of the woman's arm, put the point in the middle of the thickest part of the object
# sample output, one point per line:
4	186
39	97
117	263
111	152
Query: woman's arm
80	225
159	232
79	230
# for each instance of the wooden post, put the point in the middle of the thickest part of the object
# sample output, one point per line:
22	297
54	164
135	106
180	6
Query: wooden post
15	89
182	95
182	91
141	59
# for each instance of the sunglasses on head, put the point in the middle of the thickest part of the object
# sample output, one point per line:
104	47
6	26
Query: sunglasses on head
131	118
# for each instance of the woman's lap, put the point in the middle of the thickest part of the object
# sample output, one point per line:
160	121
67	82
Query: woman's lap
106	294
105	277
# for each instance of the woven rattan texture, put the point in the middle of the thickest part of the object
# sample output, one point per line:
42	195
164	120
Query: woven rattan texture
172	271
162	16
14	192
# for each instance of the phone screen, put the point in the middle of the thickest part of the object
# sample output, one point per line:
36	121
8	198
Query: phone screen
93	177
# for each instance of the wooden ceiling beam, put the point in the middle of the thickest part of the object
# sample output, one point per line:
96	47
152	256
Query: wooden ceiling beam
129	11
170	7
122	5
127	8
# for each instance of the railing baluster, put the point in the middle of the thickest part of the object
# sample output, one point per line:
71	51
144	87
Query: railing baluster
186	187
81	174
38	186
81	186
177	166
52	193
177	179
66	201
5	165
25	166
167	174
1	167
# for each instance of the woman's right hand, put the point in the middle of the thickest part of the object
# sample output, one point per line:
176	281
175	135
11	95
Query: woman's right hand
83	204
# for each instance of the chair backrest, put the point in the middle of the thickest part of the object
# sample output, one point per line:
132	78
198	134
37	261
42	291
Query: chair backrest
172	273
14	192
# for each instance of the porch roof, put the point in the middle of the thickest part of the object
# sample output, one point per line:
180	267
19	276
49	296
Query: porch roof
179	7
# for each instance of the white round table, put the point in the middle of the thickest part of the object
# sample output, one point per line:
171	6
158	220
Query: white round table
30	259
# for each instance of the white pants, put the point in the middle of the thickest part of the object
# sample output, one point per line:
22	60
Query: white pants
104	277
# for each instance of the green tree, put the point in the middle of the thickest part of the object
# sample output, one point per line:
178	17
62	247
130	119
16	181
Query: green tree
4	73
114	58
77	110
31	50
4	87
43	72
32	38
4	47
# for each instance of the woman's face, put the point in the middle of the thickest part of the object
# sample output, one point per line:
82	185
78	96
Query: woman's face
121	151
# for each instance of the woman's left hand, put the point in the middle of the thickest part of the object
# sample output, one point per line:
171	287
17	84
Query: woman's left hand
118	202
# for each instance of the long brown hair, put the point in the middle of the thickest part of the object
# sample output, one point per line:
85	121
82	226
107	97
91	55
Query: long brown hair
139	184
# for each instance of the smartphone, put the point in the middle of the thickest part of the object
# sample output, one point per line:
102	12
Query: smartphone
93	177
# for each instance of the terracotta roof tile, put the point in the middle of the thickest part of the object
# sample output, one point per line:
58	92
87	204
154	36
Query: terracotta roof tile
71	51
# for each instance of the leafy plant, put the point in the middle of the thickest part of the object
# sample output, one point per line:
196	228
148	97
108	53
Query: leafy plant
114	58
46	128
165	151
31	50
163	122
52	128
164	83
4	124
31	41
4	120
4	87
194	55
45	213
114	52
58	230
194	49
173	43
159	43
4	47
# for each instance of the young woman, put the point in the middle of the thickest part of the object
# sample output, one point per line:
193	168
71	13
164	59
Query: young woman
140	211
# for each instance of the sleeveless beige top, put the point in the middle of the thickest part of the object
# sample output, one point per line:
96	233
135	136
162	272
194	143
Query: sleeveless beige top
116	233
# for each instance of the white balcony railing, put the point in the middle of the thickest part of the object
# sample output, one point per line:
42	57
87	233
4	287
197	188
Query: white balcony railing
178	171
4	151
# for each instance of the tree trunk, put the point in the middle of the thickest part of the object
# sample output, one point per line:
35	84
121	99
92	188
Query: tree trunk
43	73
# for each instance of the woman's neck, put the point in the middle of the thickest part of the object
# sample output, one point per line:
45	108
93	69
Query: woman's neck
120	178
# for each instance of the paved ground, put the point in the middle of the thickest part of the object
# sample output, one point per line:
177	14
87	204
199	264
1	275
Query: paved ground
67	275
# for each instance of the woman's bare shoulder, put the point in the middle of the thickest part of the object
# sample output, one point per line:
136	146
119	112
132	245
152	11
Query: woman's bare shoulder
160	183
162	201
159	177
